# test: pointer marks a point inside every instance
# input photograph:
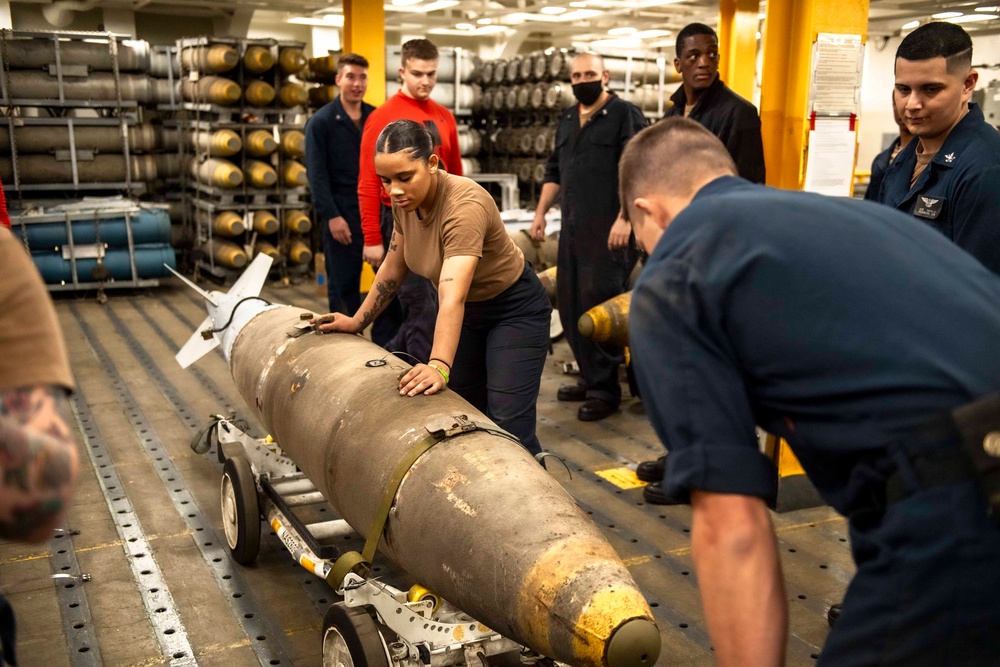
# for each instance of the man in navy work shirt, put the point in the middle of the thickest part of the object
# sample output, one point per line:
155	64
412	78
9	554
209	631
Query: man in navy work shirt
948	177
844	328
333	148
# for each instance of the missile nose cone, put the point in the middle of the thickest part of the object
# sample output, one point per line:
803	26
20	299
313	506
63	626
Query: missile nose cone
586	325
636	643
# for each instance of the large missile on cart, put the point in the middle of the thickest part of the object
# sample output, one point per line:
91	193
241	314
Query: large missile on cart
475	518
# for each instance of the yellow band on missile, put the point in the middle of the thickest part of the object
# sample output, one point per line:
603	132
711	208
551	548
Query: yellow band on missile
299	253
292	95
228	223
260	174
601	617
260	143
555	568
265	222
265	248
293	144
259	94
291	60
608	322
258	59
297	222
294	174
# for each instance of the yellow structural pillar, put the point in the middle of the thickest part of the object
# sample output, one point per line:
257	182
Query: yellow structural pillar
738	45
791	28
364	33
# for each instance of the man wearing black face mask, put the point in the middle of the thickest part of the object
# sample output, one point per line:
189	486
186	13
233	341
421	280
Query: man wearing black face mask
596	253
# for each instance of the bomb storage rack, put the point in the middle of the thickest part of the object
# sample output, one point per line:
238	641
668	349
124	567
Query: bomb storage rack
523	96
97	243
240	115
70	124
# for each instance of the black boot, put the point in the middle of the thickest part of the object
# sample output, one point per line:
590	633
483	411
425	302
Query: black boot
652	471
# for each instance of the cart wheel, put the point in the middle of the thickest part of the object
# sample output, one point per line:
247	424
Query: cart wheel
351	639
240	510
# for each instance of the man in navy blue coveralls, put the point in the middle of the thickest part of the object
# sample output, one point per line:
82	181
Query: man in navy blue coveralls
949	177
596	254
333	148
841	326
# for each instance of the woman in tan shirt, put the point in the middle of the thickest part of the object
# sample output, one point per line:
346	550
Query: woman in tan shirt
492	330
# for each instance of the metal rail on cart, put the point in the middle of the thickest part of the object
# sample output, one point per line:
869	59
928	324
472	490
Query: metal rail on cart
376	624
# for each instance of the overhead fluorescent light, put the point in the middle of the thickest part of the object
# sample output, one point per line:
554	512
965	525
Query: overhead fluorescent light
424	9
326	20
911	25
652	34
946	15
972	18
619	43
578	15
483	30
552	9
622	31
484	21
464	26
406	3
993	8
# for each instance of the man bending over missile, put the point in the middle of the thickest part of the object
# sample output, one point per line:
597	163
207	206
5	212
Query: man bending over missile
881	372
492	329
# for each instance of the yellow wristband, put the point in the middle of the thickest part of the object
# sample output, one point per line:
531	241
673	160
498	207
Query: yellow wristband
441	371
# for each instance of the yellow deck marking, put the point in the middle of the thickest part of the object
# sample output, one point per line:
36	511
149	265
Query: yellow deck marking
623	478
638	560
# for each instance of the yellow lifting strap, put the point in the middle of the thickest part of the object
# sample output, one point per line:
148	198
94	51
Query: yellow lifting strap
443	429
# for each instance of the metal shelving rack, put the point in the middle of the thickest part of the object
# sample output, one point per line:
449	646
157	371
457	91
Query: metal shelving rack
64	111
194	116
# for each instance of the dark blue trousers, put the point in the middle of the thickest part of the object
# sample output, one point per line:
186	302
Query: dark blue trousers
344	262
501	354
387	324
590	274
927	589
410	326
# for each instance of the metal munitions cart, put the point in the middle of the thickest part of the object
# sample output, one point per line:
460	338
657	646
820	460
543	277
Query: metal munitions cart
376	625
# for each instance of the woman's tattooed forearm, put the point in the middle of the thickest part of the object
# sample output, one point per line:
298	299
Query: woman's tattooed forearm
38	459
385	290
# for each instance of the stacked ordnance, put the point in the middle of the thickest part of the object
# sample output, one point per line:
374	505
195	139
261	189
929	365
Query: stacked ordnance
111	241
523	96
242	163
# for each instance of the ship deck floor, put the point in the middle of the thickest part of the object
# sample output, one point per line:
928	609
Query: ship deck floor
145	523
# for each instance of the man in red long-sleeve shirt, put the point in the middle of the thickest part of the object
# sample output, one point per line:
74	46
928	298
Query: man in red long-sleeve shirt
411	328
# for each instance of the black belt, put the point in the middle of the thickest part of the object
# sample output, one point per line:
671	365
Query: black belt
949	449
936	467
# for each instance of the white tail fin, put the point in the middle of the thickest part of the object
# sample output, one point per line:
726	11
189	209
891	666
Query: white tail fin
253	279
197	346
205	295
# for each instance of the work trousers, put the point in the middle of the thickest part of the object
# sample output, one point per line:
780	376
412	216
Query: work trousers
927	588
407	323
343	263
588	275
501	354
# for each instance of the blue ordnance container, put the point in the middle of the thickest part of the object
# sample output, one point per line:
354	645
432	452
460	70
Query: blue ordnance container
150	226
149	261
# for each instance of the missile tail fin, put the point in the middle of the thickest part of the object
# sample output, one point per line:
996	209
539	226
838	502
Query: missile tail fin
197	346
253	279
205	295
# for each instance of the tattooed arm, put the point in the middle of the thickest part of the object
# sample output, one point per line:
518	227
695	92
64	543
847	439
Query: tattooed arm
39	463
387	281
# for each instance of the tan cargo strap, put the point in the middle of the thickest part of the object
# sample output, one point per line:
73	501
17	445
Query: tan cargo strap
442	429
